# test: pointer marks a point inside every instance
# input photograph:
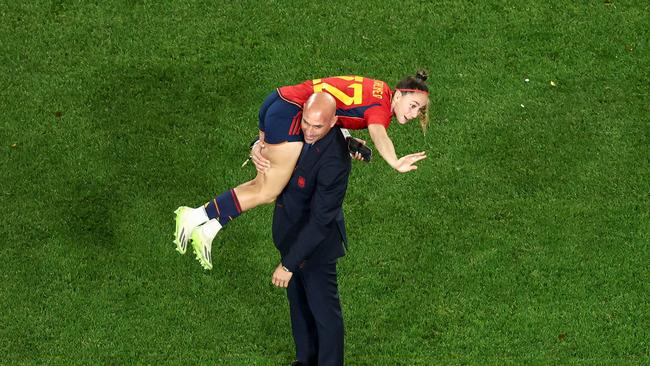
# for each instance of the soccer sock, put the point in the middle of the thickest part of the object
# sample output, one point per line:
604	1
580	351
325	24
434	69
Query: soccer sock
198	216
224	207
211	228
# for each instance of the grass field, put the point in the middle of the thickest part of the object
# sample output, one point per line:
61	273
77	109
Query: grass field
523	239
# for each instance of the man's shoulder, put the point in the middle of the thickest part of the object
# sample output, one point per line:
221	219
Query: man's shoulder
338	161
338	147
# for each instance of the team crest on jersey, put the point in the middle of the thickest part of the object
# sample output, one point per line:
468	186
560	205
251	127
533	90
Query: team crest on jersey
301	182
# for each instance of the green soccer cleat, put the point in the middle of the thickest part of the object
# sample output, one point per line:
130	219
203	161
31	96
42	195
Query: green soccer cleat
201	239
186	221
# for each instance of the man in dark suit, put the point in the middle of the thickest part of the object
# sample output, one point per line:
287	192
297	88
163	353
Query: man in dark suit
309	232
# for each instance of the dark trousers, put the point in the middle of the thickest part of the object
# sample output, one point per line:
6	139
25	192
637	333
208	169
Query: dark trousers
316	317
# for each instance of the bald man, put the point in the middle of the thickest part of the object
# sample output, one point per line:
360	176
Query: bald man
309	232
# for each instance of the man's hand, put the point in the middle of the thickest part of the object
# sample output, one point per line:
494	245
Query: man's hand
261	163
281	277
405	163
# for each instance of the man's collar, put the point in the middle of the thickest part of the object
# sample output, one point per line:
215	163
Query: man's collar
314	152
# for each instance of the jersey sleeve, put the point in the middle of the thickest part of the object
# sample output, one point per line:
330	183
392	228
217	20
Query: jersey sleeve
378	115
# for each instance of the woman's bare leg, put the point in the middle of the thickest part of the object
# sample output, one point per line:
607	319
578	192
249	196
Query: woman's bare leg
266	187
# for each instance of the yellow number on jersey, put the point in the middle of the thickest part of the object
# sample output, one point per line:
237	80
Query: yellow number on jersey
357	90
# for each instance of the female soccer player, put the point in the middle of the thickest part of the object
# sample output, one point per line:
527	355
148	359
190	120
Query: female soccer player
360	102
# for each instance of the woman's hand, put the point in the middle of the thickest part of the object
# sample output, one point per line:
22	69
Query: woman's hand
406	163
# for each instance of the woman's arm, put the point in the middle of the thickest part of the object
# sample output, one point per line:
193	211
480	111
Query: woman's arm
384	145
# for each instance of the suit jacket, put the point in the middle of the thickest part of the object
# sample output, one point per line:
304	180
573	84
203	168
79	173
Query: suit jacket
308	219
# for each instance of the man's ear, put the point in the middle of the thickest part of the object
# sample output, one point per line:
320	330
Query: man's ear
334	120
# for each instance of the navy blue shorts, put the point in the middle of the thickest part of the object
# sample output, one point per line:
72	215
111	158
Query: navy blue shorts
280	120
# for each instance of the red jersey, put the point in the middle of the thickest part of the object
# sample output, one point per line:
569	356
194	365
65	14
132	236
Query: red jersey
359	101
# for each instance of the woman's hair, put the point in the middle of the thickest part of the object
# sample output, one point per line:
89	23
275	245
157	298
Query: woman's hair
415	84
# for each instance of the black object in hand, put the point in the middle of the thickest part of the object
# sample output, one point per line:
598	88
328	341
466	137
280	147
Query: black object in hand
255	140
355	146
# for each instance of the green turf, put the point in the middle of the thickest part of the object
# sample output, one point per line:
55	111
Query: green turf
523	239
